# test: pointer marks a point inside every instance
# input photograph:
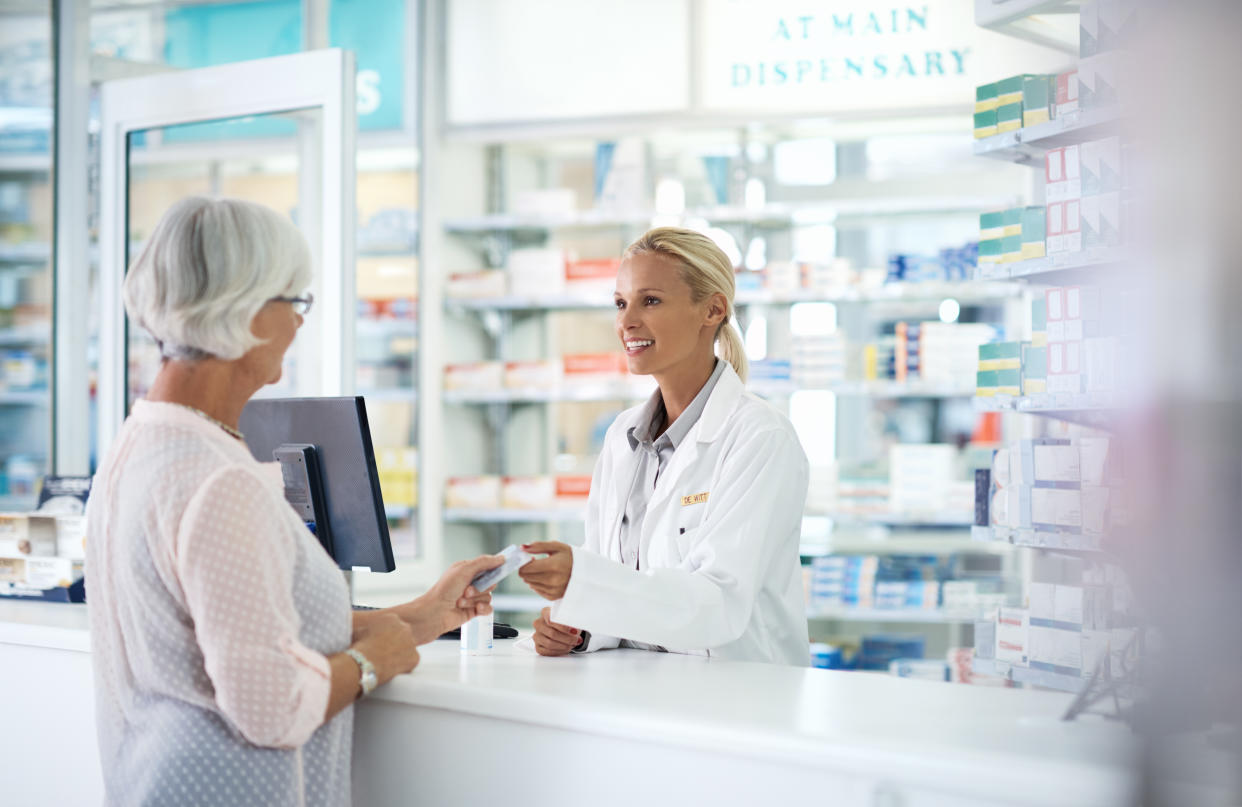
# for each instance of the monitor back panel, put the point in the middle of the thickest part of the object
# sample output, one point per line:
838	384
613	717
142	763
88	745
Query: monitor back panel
338	428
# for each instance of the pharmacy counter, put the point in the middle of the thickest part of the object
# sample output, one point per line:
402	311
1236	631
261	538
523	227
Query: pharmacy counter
617	727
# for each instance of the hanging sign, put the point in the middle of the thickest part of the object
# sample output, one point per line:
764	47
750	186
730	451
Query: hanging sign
800	55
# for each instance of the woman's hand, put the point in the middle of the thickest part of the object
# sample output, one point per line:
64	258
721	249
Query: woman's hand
548	576
388	643
452	601
552	639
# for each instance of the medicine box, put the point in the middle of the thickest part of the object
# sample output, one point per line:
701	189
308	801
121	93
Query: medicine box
12	570
990	251
482	376
71	537
1008	118
985	123
527	492
1000	356
472	492
1011	249
536	272
1066	93
1034	230
52	572
991	225
26	535
532	374
1056	463
1012	635
1053	508
1034	369
1009	91
1039	321
1038	96
985	97
481	284
593	367
1056	650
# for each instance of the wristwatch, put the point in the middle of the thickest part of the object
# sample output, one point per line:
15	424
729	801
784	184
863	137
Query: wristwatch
367	679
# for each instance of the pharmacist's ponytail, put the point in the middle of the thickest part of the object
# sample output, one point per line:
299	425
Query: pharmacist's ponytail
706	270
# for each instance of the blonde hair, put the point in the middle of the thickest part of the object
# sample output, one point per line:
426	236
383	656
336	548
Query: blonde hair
705	268
208	268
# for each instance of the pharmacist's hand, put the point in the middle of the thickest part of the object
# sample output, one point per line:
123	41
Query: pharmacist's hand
552	639
389	644
452	601
548	576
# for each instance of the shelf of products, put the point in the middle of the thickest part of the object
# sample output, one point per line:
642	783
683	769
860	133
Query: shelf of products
964	292
1026	675
930	616
1040	539
1028	145
772	215
1057	268
513	515
1097	410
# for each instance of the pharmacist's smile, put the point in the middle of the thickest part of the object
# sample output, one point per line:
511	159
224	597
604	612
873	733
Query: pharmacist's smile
633	347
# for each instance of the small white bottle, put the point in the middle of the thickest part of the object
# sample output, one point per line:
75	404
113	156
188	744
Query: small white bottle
476	636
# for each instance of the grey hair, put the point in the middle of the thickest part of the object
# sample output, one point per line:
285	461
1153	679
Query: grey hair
207	269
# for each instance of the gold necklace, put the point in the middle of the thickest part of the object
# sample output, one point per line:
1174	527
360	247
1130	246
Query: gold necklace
202	414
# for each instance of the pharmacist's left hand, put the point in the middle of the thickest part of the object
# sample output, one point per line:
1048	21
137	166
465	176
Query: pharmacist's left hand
548	576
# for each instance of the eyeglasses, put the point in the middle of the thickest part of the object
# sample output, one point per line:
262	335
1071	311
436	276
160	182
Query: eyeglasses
301	305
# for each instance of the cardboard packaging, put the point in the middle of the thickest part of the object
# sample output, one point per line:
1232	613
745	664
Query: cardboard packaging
532	374
985	98
12	570
481	376
591	279
476	285
593	367
24	535
985	124
1066	93
528	492
1012	636
536	272
1038	99
1034	369
472	492
1034	230
1008	118
1009	91
52	572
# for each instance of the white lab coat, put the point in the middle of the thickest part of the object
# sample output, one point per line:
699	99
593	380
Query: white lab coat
719	546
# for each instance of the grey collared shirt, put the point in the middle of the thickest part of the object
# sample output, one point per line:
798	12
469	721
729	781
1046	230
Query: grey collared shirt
653	456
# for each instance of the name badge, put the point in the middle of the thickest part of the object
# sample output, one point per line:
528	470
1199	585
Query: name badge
698	498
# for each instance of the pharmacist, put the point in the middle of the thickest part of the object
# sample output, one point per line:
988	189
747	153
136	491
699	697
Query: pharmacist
695	508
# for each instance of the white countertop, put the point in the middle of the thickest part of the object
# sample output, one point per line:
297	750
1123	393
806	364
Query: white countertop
984	740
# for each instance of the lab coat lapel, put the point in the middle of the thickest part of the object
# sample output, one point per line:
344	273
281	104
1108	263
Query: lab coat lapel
721	402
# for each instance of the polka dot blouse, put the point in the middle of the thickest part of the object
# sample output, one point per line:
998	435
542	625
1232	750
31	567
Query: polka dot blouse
212	611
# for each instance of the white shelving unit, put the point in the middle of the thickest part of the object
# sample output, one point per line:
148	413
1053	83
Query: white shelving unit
567	515
907	616
771	215
1052	23
1028	145
965	292
1035	20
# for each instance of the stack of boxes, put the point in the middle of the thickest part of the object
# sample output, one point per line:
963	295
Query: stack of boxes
1016	234
1074	349
939	353
40	552
1057	489
517	492
1012	103
893	582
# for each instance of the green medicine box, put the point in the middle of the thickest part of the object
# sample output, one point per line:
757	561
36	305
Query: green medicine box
1009	91
1000	356
1009	117
1011	249
985	123
990	251
1034	230
1008	382
1038	93
985	97
1011	222
991	225
985	383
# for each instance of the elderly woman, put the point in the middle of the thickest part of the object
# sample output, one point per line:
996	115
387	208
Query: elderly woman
226	653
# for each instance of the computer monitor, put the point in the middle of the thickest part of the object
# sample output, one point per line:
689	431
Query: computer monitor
349	507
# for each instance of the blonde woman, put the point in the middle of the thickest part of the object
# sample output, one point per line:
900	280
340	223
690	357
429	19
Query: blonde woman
227	659
696	503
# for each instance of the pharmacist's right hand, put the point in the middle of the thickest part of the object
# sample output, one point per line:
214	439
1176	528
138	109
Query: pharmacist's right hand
553	639
389	644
